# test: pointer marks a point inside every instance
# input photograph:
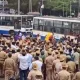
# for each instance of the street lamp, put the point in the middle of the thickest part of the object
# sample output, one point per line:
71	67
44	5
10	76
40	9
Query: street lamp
18	6
30	5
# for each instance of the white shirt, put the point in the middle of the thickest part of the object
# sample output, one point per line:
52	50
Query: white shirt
30	57
23	60
13	46
23	37
39	64
76	57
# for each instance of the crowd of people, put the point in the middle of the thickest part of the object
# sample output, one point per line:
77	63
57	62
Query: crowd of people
33	59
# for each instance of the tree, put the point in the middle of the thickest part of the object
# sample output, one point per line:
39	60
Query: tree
49	4
58	4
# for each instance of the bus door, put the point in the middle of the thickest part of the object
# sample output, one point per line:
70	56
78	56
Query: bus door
57	27
17	23
48	25
41	25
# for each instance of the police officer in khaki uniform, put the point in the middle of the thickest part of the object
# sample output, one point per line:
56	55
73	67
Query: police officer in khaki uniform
49	62
35	74
63	74
3	56
71	66
62	55
77	76
9	67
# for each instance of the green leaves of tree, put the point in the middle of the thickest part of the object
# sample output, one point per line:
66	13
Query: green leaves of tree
58	4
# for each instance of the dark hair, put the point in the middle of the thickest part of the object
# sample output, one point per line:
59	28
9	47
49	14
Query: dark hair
23	52
9	55
9	45
13	43
3	43
70	50
20	46
37	54
75	50
18	50
17	43
13	51
4	48
36	58
61	52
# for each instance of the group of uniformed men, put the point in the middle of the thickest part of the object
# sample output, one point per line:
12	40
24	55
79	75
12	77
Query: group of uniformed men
33	59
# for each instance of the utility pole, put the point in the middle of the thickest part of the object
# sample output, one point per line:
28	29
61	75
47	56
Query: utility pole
3	5
78	7
30	5
18	6
63	8
42	7
70	8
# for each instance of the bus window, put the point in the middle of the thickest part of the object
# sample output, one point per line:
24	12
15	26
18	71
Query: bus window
35	26
76	28
41	28
57	30
36	21
76	31
41	22
57	23
66	25
48	25
41	25
66	31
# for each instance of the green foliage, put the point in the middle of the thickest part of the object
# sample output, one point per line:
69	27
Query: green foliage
50	4
58	4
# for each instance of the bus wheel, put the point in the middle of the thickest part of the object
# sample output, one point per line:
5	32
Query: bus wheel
11	32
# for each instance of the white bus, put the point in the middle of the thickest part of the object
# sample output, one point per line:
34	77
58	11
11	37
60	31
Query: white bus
13	23
57	25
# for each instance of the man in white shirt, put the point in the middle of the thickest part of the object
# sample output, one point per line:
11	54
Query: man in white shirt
23	65
13	46
38	62
76	58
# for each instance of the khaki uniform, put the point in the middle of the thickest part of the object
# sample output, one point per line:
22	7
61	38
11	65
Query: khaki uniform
35	75
9	67
3	56
71	66
63	56
77	76
15	58
63	75
49	62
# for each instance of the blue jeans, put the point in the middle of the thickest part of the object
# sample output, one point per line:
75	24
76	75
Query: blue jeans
23	74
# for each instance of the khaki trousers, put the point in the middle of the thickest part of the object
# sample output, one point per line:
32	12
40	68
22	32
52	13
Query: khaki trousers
9	74
49	74
1	67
